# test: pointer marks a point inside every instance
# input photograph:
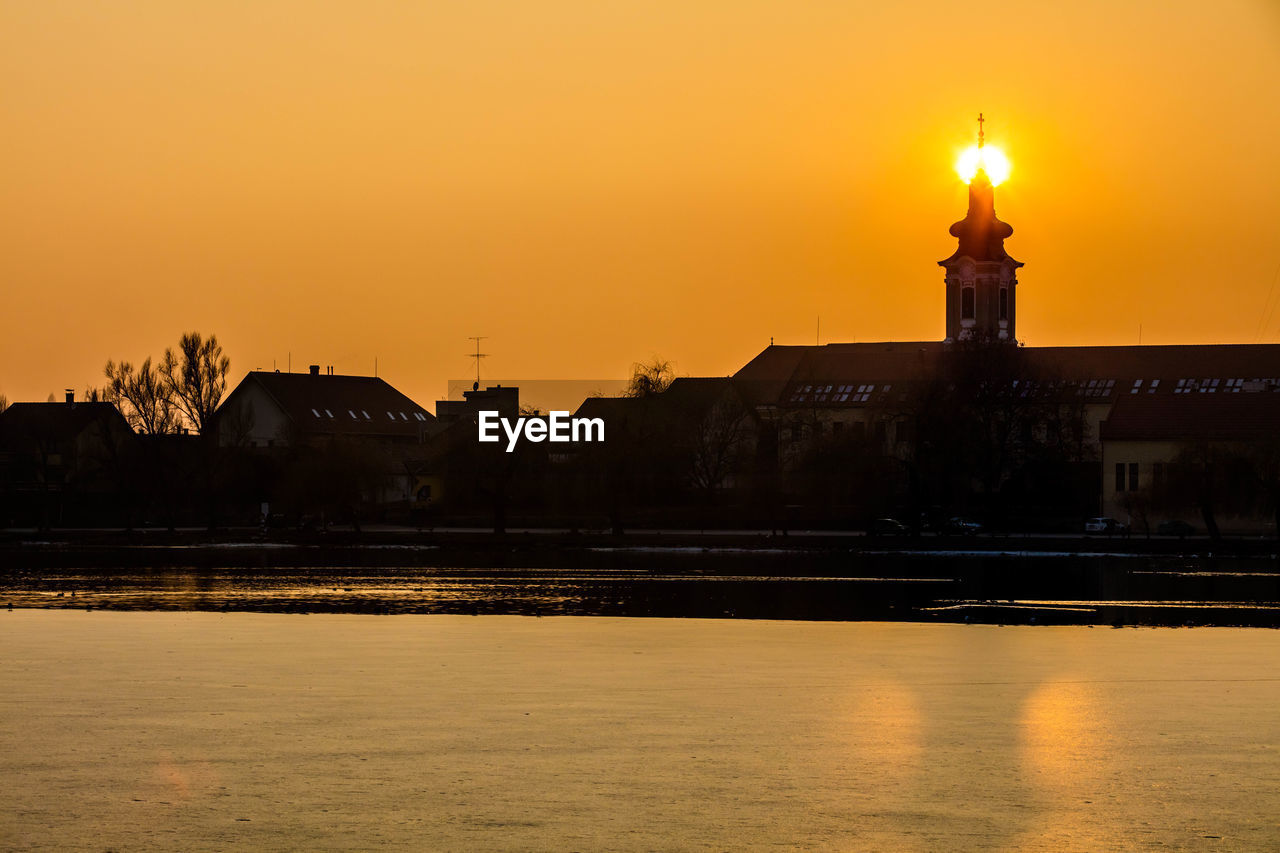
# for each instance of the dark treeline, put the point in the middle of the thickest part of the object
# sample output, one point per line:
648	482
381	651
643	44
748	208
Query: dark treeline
980	435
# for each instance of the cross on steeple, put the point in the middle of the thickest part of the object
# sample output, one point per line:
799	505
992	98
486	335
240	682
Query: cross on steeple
980	121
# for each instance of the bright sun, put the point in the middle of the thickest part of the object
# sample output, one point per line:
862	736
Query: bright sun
989	158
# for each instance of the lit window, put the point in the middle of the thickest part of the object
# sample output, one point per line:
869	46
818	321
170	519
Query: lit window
329	413
366	415
403	417
393	417
1137	386
314	412
1155	383
352	412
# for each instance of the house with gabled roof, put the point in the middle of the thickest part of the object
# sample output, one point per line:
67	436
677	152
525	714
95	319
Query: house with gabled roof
273	409
59	457
335	432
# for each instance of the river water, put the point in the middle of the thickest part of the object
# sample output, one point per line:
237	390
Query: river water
213	731
1014	588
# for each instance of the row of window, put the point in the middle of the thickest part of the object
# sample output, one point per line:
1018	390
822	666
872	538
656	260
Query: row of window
1127	475
417	416
1097	389
836	393
1210	386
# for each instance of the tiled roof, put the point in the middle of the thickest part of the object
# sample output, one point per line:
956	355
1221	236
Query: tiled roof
781	375
1170	417
612	409
57	421
355	405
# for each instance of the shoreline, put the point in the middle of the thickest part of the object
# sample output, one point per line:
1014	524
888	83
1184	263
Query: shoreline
673	574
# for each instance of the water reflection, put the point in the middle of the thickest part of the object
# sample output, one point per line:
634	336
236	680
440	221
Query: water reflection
818	586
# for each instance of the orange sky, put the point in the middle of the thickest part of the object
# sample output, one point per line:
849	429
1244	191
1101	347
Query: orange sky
593	183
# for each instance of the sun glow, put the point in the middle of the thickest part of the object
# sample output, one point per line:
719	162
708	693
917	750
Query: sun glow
988	158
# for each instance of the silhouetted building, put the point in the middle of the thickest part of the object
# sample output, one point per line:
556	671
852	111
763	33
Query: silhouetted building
342	442
272	409
496	398
61	461
1178	454
981	277
1026	398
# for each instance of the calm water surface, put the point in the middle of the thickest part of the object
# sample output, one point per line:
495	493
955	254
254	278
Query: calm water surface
693	582
208	731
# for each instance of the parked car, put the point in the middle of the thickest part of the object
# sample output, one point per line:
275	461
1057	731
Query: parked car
961	527
1175	527
1105	525
888	527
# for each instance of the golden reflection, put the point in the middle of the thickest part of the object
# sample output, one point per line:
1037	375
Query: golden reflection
1064	739
1068	761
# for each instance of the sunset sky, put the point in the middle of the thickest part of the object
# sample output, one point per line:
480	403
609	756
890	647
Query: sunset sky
593	183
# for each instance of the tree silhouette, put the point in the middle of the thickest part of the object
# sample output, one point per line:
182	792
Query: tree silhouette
142	397
649	378
195	378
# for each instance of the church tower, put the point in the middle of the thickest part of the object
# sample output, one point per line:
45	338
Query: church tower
981	277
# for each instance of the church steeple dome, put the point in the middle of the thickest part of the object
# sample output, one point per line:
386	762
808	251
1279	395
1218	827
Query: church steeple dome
981	233
981	276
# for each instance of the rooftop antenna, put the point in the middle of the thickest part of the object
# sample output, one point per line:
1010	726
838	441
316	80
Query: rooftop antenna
477	355
981	139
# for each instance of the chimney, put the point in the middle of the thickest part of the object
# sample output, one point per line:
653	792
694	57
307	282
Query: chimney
71	396
315	370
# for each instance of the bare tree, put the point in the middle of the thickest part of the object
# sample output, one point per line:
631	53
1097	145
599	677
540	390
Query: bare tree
649	378
195	378
720	443
141	396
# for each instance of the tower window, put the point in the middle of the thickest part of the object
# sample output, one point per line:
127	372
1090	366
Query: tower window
1004	303
966	303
